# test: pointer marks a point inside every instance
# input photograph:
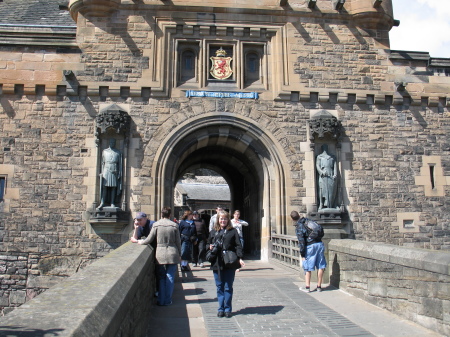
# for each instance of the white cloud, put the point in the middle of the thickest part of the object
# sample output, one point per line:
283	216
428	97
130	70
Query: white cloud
424	26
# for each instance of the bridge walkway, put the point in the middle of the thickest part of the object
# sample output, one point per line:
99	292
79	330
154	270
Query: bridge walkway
267	302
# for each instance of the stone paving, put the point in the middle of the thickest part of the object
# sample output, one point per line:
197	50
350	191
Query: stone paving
267	302
272	307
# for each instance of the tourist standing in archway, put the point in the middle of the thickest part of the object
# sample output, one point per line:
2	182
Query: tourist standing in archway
225	238
238	223
212	221
188	239
202	234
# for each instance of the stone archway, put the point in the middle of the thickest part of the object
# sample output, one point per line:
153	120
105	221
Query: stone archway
250	159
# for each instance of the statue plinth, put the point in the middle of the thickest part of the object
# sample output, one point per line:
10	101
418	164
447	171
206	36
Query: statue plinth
328	216
108	220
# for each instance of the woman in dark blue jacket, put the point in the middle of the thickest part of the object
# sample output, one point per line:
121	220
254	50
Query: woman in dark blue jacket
188	238
224	275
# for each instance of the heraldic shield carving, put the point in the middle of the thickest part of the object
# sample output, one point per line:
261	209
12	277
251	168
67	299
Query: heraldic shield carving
221	65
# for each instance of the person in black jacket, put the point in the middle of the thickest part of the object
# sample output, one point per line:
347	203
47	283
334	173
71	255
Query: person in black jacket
188	239
224	233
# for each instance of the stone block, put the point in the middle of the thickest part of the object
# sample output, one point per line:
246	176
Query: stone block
4	300
17	297
431	307
43	282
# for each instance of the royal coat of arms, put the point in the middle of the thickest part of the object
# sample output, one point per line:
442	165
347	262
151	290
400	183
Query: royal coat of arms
221	65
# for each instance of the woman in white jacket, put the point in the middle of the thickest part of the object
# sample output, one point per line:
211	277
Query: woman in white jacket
238	223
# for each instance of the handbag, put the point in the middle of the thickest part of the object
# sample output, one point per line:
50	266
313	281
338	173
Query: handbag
229	258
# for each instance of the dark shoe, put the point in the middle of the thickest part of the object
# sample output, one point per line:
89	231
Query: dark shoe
220	314
228	314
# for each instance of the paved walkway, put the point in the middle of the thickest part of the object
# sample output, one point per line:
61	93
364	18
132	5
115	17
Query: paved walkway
267	302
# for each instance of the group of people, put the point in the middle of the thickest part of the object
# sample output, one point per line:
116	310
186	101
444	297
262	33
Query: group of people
175	243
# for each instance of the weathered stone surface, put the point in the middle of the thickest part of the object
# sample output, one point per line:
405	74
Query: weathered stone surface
415	287
111	297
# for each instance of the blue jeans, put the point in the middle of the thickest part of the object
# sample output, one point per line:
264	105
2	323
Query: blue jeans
166	279
224	285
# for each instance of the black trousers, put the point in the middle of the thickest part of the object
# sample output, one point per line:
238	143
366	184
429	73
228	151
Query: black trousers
199	251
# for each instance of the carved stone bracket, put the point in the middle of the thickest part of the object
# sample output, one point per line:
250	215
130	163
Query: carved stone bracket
100	8
323	123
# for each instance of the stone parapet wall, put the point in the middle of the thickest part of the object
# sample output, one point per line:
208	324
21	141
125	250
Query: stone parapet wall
111	297
412	283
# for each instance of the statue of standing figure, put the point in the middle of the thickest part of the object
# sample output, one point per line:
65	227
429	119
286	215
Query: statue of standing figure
327	171
111	175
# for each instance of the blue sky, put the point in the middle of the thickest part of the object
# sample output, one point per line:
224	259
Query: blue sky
424	26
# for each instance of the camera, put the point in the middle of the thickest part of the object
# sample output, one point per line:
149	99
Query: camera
217	247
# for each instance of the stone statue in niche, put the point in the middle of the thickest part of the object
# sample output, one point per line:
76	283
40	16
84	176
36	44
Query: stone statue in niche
327	172
111	175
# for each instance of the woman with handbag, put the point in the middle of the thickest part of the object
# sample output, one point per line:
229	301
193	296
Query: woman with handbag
224	239
188	238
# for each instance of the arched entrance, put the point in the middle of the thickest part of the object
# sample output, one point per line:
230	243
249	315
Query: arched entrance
247	157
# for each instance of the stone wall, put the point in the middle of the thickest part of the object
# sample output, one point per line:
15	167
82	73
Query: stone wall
315	60
110	297
413	283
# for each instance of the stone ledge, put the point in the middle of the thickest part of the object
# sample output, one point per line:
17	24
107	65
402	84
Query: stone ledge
94	302
433	261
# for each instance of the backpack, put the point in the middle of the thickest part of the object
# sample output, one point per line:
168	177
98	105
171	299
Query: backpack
313	229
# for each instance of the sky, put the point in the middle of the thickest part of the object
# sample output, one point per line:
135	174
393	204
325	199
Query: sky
424	26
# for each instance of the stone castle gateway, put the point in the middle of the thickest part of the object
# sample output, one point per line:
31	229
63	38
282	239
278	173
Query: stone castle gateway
293	76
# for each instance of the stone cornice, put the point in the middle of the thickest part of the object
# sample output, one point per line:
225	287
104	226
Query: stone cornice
58	36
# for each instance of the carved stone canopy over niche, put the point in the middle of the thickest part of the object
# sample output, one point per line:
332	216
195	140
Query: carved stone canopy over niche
324	124
112	117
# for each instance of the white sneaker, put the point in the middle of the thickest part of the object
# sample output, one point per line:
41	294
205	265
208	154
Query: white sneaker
305	290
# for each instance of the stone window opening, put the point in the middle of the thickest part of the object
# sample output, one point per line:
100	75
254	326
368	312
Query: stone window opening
187	62
188	66
252	67
408	223
2	188
432	178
